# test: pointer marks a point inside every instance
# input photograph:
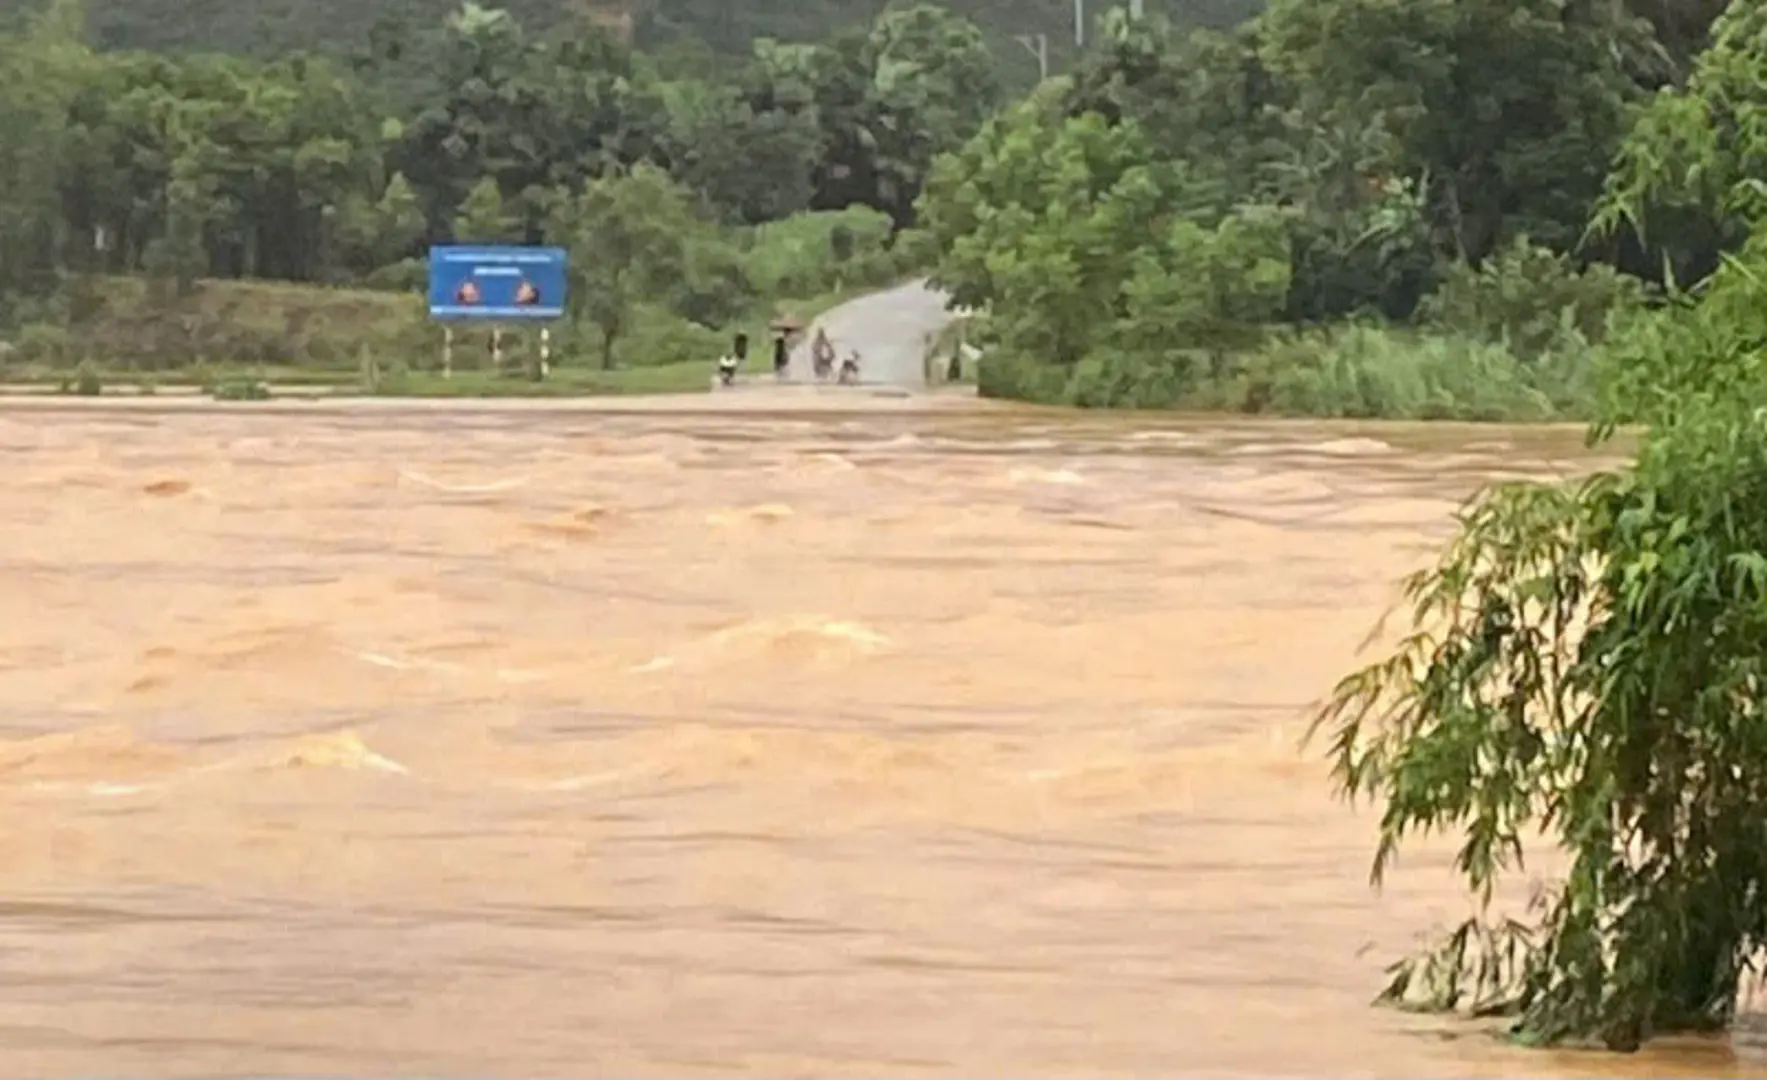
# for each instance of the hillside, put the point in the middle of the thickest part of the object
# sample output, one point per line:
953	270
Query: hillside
274	27
729	25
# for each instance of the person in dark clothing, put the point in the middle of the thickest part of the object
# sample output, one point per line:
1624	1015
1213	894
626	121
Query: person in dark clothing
781	355
741	349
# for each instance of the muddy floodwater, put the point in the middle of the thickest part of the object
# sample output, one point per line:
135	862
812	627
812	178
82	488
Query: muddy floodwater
540	743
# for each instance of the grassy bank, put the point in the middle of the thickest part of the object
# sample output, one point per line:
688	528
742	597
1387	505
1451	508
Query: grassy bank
124	336
1351	372
231	379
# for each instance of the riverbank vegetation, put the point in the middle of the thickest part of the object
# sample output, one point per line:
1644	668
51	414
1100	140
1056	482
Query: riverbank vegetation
163	212
1584	663
1344	208
1323	211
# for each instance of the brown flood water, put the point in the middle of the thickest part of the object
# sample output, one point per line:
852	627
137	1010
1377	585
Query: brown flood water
502	742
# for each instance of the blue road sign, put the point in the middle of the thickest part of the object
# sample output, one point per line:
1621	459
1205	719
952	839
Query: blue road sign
495	284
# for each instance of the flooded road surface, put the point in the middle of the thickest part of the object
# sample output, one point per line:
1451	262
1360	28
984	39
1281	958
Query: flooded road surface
549	743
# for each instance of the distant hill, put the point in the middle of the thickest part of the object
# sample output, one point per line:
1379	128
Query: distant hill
730	25
275	27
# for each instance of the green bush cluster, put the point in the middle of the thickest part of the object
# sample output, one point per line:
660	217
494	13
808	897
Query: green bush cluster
1523	338
1285	220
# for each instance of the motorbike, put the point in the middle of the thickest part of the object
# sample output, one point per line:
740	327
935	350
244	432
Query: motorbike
822	359
727	370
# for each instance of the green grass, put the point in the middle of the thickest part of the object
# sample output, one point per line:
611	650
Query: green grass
123	378
224	381
238	333
677	378
1342	372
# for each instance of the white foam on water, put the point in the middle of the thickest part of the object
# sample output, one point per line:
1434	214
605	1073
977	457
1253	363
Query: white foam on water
465	489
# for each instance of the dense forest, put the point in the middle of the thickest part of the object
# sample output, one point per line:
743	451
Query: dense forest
785	173
724	28
1360	207
1353	207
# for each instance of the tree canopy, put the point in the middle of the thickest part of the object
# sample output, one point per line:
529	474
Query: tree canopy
1390	153
717	30
306	170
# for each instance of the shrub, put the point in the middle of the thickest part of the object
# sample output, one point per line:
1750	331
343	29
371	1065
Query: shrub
84	382
1369	371
406	275
43	343
1531	299
1008	375
1584	662
814	253
240	389
659	337
1138	380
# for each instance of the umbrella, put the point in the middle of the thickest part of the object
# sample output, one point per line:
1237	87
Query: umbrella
788	324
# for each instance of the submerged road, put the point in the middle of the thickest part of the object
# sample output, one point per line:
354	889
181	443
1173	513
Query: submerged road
891	329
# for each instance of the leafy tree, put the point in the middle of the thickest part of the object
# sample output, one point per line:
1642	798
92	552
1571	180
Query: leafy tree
932	83
751	162
1510	110
629	235
44	68
374	233
483	217
191	206
1201	96
1359	245
885	102
476	127
1682	26
601	110
715	30
266	155
1688	179
1195	292
1212	290
1033	222
1531	299
531	114
1585	662
811	253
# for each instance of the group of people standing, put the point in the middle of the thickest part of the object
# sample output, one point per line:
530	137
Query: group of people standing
822	357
